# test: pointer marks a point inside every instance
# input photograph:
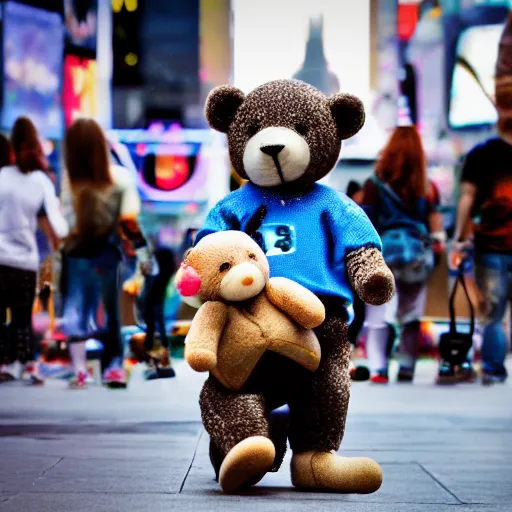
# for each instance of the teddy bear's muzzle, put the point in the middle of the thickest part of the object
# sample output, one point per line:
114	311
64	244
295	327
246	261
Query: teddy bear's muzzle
242	282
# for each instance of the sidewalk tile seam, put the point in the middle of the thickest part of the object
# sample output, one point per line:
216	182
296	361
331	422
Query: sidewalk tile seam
8	498
431	475
77	458
43	473
113	493
249	497
201	433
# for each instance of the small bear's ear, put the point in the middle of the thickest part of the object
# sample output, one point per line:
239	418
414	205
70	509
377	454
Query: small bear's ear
348	112
221	106
188	282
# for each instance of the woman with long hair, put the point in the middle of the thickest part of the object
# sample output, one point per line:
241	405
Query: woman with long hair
106	205
26	196
402	204
6	154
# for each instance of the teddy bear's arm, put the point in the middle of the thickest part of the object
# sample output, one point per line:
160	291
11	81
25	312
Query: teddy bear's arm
296	301
203	338
370	276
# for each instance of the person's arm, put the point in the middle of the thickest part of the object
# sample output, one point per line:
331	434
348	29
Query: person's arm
56	223
471	175
464	207
470	178
46	228
132	232
129	212
468	192
435	220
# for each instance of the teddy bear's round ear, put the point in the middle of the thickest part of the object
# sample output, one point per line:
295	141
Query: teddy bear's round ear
348	112
188	282
221	106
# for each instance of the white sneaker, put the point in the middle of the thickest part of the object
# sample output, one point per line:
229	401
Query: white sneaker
9	372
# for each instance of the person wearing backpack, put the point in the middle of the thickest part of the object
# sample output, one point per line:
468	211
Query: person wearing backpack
401	203
106	206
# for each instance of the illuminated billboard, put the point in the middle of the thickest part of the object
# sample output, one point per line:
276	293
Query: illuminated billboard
33	44
80	88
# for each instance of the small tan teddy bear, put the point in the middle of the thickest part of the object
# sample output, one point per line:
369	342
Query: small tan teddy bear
244	312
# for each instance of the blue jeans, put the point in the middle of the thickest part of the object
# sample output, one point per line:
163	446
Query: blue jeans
494	278
86	287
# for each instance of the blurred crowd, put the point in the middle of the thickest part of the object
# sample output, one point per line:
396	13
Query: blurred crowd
93	222
95	226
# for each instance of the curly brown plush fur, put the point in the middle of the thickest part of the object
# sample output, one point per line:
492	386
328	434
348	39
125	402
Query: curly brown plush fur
318	401
370	276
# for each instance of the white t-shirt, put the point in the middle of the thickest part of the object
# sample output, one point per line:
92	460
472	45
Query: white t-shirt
22	197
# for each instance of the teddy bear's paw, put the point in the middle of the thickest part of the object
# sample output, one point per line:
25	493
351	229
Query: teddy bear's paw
246	463
379	288
331	472
201	360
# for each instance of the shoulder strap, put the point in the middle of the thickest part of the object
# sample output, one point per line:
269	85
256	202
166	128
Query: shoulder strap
384	187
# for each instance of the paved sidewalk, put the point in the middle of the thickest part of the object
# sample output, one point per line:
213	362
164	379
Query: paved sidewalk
441	449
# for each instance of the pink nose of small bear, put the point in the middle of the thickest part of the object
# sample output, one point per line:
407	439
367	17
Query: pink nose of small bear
247	281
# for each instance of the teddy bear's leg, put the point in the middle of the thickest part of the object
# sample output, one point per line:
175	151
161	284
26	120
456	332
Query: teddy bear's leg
241	450
317	422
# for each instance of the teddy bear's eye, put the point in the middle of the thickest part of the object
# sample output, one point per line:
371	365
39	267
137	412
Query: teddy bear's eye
253	129
301	128
252	256
225	266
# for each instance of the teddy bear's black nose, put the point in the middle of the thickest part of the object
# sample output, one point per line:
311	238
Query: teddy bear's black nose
272	150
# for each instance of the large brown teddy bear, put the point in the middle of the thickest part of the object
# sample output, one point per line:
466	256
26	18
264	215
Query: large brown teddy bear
283	137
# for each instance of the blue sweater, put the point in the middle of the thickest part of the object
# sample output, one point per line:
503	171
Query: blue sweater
306	237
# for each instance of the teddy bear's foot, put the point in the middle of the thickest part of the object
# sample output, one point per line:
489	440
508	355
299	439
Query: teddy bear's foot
246	463
329	471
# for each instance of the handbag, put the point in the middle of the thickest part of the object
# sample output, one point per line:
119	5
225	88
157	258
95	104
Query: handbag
454	346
